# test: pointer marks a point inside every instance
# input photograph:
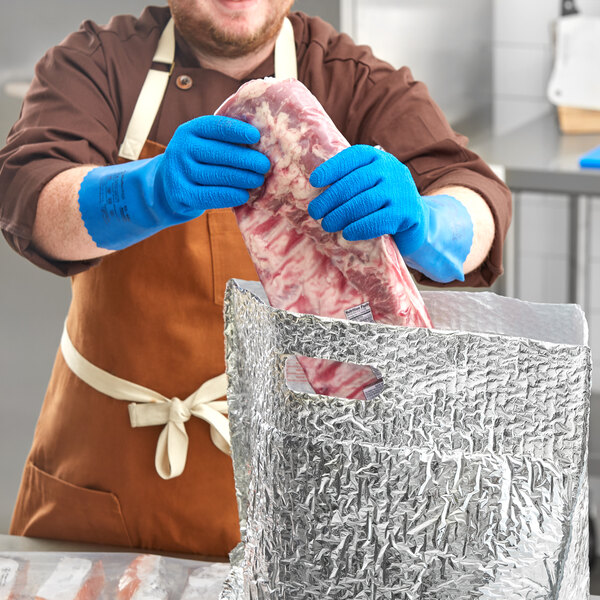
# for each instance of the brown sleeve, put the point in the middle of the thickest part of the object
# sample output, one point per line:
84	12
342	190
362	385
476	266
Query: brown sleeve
373	103
67	119
418	134
400	116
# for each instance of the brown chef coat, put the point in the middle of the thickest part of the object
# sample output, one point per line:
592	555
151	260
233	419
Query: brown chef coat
152	313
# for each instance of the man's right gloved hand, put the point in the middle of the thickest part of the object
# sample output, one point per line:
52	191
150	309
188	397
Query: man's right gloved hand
207	164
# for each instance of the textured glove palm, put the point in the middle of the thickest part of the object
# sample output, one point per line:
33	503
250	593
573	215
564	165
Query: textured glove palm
207	164
371	193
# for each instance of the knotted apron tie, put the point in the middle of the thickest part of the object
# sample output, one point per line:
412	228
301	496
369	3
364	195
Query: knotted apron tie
149	408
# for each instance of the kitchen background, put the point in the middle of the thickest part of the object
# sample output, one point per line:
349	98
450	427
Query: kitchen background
486	62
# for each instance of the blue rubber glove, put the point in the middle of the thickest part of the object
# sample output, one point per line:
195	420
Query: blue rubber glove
371	193
448	242
207	164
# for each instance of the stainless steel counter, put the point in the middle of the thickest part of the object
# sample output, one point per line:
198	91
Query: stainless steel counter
537	156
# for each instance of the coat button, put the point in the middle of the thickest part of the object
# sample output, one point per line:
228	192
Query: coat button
184	82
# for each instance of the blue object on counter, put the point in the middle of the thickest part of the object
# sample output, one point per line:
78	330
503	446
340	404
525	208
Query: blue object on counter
591	159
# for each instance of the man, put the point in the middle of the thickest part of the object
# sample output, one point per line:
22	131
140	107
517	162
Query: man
151	243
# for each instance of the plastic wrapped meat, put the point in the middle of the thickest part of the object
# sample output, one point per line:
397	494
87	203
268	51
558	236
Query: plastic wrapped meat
303	268
62	575
205	582
144	579
73	579
13	576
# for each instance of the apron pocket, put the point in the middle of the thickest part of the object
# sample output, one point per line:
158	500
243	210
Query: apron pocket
48	507
230	257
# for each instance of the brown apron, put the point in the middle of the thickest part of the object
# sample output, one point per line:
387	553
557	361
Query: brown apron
150	314
143	316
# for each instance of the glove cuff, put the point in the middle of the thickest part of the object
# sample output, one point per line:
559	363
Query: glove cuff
448	243
119	206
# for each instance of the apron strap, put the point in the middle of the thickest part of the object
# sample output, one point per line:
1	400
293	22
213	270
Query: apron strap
150	97
149	408
286	65
155	86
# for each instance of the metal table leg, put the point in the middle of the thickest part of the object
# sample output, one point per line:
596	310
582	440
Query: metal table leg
579	250
508	284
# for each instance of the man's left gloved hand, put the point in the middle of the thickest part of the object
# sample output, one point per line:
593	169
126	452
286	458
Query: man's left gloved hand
371	193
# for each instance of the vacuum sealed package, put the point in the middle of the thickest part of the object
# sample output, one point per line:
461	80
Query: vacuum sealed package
466	477
107	576
296	260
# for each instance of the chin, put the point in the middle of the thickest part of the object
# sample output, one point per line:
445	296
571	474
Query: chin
229	29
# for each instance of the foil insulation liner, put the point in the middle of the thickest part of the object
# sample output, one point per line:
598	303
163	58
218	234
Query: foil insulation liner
465	478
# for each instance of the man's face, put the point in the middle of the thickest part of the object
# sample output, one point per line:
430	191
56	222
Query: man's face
229	28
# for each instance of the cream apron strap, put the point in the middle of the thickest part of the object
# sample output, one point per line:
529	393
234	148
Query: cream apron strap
150	97
154	87
151	408
286	64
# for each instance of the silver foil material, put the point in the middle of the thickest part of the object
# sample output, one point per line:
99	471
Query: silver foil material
465	478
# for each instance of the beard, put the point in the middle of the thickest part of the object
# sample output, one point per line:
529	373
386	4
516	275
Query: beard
203	34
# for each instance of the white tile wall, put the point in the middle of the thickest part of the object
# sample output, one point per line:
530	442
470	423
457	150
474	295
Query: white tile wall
511	112
522	60
523	22
28	29
523	56
446	45
521	70
589	7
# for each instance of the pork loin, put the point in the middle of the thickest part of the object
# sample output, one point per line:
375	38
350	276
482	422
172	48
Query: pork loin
303	268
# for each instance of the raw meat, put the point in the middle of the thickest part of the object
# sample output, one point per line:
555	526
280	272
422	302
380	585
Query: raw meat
144	579
303	268
13	576
73	579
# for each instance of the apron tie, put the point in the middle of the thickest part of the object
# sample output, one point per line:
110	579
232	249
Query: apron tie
179	413
150	408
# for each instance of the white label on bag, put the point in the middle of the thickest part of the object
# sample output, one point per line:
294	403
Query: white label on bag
362	313
66	580
8	576
373	390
